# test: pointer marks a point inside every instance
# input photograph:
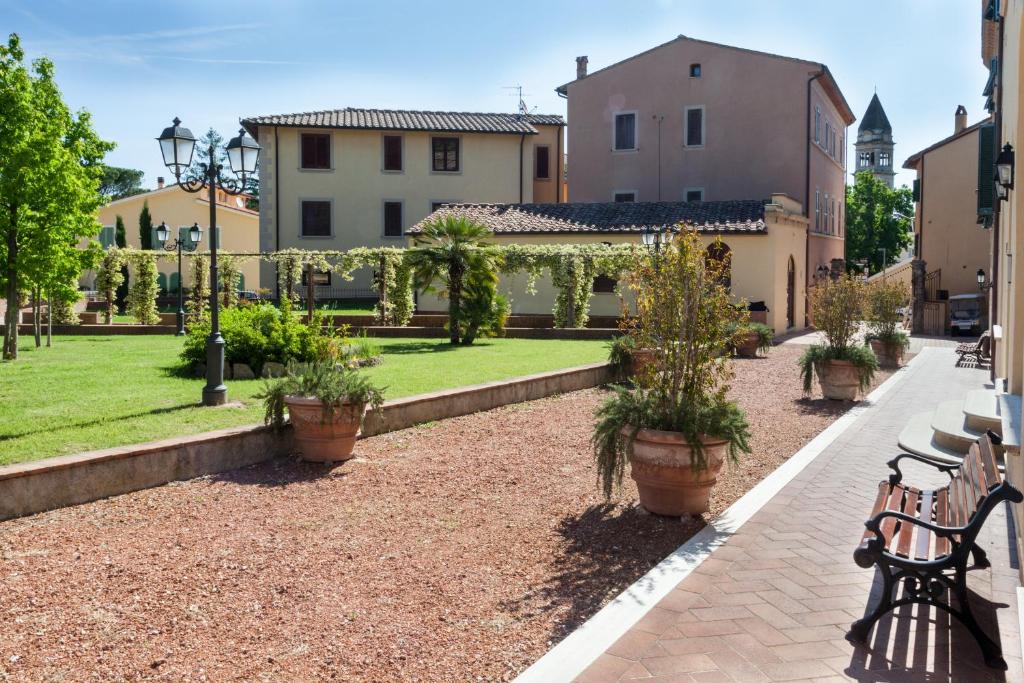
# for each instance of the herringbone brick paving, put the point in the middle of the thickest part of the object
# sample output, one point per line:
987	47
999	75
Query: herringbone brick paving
774	602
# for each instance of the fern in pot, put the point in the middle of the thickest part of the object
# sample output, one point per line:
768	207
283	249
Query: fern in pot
675	426
843	367
885	334
325	403
750	339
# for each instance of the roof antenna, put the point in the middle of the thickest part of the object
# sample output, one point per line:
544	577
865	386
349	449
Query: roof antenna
523	110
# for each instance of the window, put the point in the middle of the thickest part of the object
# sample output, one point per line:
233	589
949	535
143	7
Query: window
392	219
604	284
865	159
832	217
542	165
719	257
321	278
884	159
817	124
316	218
625	131
446	154
842	148
828	132
694	126
628	196
696	195
695	71
824	223
817	210
108	236
316	151
392	152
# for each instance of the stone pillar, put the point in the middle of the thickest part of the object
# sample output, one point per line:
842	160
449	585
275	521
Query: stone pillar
918	270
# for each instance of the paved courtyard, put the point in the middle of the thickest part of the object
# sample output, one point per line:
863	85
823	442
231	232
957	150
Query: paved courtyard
774	602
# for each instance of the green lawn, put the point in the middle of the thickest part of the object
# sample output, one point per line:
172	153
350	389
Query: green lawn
86	393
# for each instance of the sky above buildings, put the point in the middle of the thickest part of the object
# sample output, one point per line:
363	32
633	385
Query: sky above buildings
136	65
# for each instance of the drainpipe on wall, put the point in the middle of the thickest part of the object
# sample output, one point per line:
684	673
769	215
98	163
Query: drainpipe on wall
277	212
559	171
522	145
807	195
993	316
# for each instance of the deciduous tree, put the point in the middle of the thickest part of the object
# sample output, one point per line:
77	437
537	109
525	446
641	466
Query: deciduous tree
877	218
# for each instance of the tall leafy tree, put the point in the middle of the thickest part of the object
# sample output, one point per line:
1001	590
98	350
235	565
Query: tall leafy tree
50	170
145	227
877	218
119	182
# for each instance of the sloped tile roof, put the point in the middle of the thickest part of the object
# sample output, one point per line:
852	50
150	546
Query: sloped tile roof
396	119
625	217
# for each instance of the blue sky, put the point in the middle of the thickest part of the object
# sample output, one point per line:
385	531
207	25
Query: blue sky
135	65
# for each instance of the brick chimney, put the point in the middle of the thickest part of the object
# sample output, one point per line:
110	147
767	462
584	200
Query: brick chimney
581	67
959	119
160	182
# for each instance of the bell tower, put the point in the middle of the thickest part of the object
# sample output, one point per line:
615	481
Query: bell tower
874	146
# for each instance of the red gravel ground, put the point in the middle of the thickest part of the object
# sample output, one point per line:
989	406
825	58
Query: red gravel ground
454	551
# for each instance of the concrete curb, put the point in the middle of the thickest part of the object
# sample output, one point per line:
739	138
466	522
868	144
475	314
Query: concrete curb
32	487
570	657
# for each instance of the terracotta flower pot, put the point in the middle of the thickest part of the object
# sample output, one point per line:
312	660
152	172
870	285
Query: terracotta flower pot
641	359
661	466
838	379
324	436
889	355
748	347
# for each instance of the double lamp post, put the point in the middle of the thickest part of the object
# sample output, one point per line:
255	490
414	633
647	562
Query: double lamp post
177	145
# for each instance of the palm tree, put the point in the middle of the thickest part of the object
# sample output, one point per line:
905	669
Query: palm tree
448	250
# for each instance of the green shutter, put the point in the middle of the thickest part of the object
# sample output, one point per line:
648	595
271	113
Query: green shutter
986	171
917	189
241	282
161	282
175	282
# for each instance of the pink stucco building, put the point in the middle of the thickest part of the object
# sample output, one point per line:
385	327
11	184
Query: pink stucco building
691	120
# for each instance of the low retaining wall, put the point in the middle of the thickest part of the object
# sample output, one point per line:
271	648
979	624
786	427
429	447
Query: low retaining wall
33	487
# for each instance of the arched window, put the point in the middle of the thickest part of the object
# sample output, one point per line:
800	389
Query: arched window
720	253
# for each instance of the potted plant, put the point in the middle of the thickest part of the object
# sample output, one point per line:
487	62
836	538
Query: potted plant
627	359
325	403
843	367
751	338
885	337
675	427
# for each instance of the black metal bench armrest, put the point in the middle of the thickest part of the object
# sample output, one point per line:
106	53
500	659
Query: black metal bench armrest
897	476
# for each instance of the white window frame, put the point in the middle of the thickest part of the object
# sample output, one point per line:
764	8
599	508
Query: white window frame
632	192
636	130
688	190
703	126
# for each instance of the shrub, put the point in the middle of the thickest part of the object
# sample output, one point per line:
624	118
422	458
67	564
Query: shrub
332	384
765	335
620	353
837	306
884	299
685	314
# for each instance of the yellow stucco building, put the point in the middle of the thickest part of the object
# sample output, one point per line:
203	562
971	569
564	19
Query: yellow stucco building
238	227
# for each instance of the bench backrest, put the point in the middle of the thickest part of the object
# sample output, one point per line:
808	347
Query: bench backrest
973	481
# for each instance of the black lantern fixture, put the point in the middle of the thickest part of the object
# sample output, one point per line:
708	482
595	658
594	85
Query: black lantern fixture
195	234
982	284
1004	168
177	145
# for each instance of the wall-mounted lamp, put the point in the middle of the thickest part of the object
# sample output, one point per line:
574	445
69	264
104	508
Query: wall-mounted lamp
1004	169
982	285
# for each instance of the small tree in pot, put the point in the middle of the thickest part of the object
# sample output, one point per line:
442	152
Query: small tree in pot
843	367
751	338
885	337
326	403
675	426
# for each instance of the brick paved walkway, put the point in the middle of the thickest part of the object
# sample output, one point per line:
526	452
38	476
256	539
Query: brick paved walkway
774	602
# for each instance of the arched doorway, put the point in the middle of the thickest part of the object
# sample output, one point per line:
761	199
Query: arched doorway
790	293
720	252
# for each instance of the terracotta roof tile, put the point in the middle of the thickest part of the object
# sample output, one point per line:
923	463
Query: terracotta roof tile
395	119
625	217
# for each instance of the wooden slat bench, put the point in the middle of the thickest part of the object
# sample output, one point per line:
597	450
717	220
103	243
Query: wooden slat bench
925	538
976	352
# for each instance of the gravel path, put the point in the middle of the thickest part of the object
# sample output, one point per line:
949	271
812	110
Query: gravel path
455	551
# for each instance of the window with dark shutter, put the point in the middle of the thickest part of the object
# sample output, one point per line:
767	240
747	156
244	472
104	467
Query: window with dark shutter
625	131
986	171
604	285
446	154
695	195
694	127
542	154
392	219
392	152
316	151
621	197
917	190
316	218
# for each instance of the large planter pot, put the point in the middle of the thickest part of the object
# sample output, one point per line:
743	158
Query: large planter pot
838	379
747	348
324	436
889	355
641	359
661	464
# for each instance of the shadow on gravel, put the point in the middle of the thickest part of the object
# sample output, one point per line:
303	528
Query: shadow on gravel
605	549
823	406
281	472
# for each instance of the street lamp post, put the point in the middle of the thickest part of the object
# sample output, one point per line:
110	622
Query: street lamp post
654	236
177	145
195	234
